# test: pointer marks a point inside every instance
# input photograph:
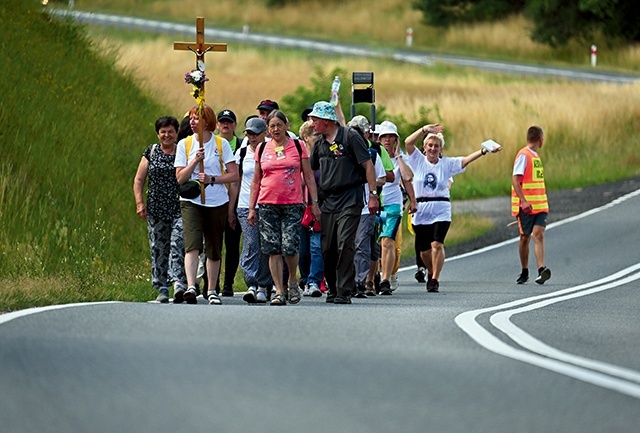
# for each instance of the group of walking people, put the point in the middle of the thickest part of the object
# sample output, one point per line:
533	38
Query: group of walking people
319	212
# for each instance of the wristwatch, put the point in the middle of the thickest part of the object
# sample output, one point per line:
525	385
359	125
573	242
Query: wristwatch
374	193
213	180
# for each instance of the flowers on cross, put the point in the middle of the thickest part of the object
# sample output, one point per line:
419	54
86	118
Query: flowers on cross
197	79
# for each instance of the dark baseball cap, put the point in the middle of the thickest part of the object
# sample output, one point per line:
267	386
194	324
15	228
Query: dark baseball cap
305	113
227	115
268	105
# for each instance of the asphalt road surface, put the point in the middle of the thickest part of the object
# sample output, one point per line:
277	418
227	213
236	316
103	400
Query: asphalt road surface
483	355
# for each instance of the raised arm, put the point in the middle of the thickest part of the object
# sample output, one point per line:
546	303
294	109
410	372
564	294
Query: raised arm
419	134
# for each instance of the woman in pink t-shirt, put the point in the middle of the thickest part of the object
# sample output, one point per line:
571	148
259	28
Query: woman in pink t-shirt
277	189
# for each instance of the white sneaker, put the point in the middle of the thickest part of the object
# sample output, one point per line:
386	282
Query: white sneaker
261	295
394	282
250	296
314	290
306	291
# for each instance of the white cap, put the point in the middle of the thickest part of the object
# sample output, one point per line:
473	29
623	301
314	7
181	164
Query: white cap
387	128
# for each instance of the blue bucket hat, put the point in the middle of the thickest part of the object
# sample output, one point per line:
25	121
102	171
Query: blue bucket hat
324	110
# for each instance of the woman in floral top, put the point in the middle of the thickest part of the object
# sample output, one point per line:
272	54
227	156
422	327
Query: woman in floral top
162	210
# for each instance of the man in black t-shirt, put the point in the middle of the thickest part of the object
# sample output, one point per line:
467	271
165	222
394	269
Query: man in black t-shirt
341	155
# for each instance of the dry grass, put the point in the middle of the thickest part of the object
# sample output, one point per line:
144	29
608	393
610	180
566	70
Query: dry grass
373	22
473	106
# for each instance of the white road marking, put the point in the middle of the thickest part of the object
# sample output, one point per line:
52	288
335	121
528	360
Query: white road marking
598	373
4	318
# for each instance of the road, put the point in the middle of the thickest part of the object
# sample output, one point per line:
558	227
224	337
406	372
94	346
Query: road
415	57
483	355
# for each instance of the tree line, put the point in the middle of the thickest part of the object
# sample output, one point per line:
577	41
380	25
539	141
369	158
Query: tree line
555	22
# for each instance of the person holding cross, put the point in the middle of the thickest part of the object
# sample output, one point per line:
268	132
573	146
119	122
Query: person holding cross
205	159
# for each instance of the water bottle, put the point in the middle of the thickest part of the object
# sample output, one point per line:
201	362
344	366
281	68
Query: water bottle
335	90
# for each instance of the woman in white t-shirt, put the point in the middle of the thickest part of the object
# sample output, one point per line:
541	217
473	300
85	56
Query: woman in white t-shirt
432	172
205	218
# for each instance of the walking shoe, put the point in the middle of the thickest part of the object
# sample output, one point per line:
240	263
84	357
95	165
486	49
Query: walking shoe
359	292
314	290
279	299
433	286
306	291
214	299
190	295
385	288
227	292
163	295
523	277
293	292
250	297
544	274
330	297
178	294
369	289
345	299
376	282
393	280
261	295
419	275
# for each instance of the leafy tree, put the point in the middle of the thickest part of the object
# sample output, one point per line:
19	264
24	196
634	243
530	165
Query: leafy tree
555	21
443	13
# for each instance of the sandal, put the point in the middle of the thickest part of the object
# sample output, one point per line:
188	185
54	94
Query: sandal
279	299
294	295
214	299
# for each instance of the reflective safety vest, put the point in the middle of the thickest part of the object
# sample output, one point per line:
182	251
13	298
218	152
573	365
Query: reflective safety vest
532	184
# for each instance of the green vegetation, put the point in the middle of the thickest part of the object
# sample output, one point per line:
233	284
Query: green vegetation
73	130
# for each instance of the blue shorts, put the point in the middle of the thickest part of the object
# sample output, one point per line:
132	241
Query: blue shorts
392	221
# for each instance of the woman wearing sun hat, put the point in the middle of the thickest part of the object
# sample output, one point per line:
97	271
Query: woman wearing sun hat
432	173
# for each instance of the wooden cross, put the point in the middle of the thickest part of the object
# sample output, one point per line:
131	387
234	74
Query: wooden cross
200	48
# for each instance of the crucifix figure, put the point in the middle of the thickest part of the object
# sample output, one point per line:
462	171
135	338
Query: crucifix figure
200	48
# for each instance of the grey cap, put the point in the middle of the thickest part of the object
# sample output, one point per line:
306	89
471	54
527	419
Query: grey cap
255	125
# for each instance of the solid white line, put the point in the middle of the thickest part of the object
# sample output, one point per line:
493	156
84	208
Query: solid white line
4	318
546	356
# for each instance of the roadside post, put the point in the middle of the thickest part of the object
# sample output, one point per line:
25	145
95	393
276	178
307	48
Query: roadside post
362	91
409	37
594	54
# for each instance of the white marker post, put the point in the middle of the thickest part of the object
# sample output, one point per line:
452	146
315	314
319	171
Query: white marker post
409	37
594	55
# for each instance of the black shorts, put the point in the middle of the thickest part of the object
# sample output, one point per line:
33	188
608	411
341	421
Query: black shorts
426	234
526	221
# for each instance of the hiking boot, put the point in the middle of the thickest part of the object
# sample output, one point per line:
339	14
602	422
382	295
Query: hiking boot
433	286
419	275
523	277
385	288
163	295
544	274
250	297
